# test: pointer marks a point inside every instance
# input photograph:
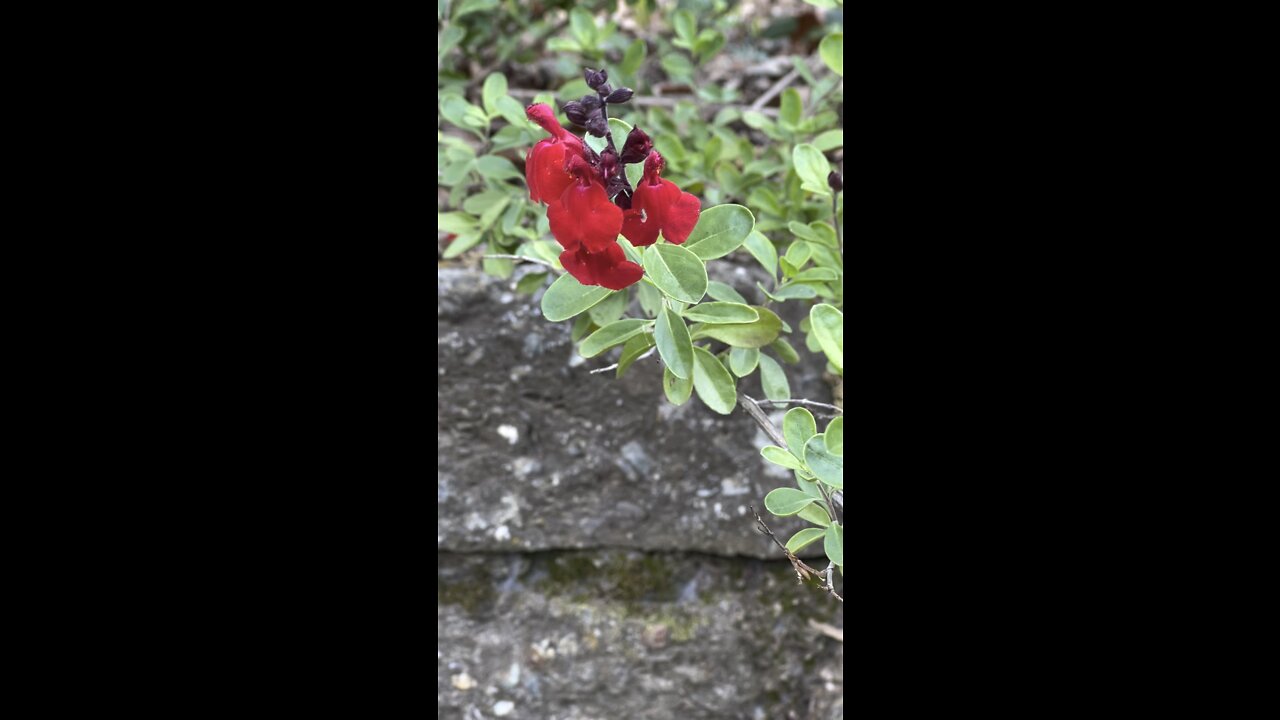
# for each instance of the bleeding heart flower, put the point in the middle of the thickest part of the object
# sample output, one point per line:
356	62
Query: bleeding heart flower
545	166
607	268
659	206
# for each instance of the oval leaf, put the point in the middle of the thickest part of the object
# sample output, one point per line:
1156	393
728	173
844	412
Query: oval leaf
786	501
827	324
812	168
832	51
614	333
677	389
721	313
632	351
803	539
798	426
829	468
567	297
755	334
835	437
815	514
743	361
714	384
678	273
763	251
725	293
778	456
672	338
720	231
773	379
833	544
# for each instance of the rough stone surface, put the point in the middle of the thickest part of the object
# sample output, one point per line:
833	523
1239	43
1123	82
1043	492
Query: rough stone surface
536	453
596	557
604	635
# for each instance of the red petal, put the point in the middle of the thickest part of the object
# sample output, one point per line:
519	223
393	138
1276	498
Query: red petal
587	217
681	217
545	173
667	209
608	268
635	229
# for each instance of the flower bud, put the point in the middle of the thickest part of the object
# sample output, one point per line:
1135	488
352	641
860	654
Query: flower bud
605	90
836	181
596	124
575	112
591	102
620	95
637	147
594	78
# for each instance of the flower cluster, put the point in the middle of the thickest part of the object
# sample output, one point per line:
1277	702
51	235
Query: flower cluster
589	201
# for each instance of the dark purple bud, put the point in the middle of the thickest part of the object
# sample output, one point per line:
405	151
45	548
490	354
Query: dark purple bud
637	147
591	102
836	181
594	78
596	124
620	95
575	112
604	90
609	165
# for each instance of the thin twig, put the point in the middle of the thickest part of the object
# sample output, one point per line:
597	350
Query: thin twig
830	631
665	102
753	409
804	571
520	257
774	91
798	401
614	366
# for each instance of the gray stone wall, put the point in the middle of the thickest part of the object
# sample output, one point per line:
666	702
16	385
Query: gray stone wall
597	558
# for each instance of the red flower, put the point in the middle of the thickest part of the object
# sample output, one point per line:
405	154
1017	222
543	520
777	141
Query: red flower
607	268
545	166
584	215
659	205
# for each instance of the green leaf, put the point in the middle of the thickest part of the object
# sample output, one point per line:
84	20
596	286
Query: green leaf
798	426
677	389
835	437
708	43
773	379
824	4
584	27
818	274
619	129
829	468
632	351
798	254
812	168
832	51
609	309
462	243
786	353
829	140
677	66
722	312
495	87
828	327
789	115
778	456
615	333
756	120
720	231
786	501
789	292
714	384
803	539
686	27
763	251
743	361
678	273
833	544
755	334
451	36
724	293
815	514
455	222
496	168
674	346
581	327
511	111
567	297
650	299
634	57
531	282
467	7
